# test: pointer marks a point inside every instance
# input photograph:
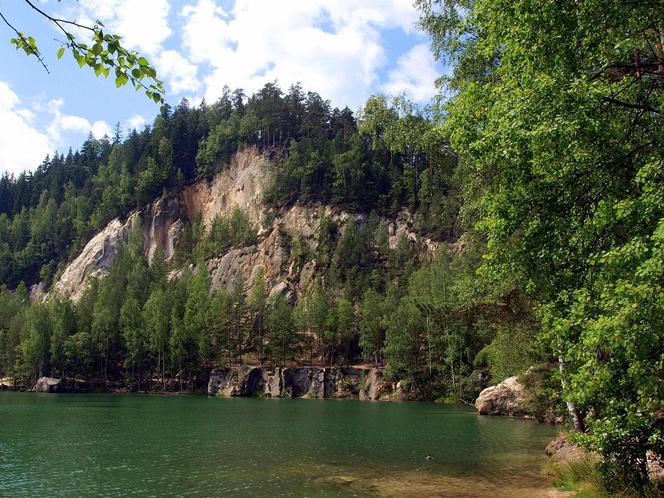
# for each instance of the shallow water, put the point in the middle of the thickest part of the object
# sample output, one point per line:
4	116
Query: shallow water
111	445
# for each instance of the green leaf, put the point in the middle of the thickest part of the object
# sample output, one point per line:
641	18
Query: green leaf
61	52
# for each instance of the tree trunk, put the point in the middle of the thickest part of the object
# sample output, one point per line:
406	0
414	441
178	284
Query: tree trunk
575	416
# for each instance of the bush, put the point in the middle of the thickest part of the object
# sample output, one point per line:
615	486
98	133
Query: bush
510	353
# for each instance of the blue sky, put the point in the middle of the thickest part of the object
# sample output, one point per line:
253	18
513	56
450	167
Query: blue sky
344	49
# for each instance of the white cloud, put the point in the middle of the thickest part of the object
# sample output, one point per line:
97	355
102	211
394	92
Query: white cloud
136	121
101	129
70	123
21	146
332	46
178	71
143	24
415	73
63	123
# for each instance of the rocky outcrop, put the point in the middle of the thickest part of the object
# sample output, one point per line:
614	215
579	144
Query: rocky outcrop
301	382
240	185
47	385
162	227
506	398
55	385
95	259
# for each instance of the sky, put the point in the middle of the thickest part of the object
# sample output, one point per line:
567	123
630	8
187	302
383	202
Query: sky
345	50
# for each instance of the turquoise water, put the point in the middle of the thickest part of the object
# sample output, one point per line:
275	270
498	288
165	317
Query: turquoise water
119	445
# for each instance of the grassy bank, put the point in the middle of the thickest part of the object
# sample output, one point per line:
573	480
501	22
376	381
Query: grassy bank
582	479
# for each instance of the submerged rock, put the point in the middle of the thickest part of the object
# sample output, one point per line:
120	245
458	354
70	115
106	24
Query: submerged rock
506	398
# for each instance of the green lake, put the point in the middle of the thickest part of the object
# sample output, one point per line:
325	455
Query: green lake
119	445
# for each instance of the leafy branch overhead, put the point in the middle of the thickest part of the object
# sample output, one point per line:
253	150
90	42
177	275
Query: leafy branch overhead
104	53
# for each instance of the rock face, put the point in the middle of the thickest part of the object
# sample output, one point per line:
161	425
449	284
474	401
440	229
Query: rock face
47	385
301	382
162	227
240	185
506	398
95	259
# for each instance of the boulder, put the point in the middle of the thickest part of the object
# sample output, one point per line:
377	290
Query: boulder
48	385
506	398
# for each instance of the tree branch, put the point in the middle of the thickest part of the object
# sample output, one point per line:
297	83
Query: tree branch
56	20
629	105
26	43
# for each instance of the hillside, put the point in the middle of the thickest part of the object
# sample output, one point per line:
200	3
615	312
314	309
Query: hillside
512	232
241	186
270	230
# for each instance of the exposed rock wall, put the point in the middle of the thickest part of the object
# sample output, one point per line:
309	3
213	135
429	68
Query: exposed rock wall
242	184
162	224
301	382
95	259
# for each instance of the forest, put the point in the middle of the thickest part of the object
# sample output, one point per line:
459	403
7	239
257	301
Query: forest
138	323
541	174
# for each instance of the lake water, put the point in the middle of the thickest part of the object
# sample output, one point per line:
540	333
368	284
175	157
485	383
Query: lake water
118	445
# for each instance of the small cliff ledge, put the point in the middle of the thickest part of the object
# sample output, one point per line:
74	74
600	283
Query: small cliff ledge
301	382
506	398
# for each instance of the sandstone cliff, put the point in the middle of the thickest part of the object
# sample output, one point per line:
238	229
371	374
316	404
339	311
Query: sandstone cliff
241	184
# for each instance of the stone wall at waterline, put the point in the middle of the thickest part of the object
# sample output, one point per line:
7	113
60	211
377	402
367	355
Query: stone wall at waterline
302	382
